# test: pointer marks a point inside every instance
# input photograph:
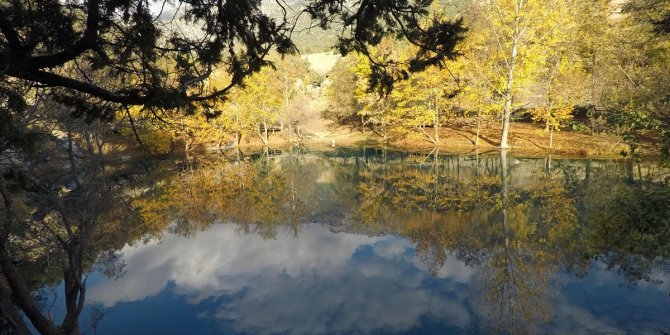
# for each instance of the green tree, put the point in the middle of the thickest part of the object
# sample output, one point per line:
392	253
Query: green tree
262	99
637	90
422	101
343	106
377	112
517	31
561	76
477	69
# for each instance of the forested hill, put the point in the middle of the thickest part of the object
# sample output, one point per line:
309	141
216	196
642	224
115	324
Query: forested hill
314	39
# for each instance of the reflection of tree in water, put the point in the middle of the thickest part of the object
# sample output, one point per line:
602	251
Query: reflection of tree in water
628	225
256	195
73	232
528	229
516	235
519	234
55	228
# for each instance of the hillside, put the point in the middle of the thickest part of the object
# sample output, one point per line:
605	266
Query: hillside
310	39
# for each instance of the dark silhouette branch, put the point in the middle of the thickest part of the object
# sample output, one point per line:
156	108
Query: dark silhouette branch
10	34
87	42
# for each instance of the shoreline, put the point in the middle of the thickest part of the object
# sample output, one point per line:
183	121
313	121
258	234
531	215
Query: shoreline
526	140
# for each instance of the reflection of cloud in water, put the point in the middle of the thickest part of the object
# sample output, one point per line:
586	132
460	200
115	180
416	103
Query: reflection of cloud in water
321	282
325	282
600	303
576	320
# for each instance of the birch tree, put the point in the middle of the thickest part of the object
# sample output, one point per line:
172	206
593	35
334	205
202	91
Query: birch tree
514	28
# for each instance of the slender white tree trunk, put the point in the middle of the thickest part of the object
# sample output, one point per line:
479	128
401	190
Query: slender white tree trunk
436	125
479	126
510	76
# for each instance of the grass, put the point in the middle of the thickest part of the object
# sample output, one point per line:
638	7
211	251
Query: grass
528	139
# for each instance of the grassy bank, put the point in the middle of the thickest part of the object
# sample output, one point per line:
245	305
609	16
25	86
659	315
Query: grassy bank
526	139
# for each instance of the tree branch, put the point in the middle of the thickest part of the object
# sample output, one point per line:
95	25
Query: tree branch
9	32
22	295
87	42
54	80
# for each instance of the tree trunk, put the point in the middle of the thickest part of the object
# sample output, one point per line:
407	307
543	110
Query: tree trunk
99	142
479	126
88	138
505	203
428	136
436	125
510	76
477	168
262	134
22	296
437	121
10	313
75	294
72	159
7	201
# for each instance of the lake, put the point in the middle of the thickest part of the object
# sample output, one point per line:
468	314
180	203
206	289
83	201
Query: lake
374	241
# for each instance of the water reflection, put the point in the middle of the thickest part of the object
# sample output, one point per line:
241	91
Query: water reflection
319	283
360	242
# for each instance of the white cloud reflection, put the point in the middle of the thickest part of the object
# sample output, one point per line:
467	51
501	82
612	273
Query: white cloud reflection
321	282
325	282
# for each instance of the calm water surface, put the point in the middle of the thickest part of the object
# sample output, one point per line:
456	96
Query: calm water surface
378	242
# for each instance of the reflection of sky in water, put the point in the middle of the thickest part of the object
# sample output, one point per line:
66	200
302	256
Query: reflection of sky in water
223	282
